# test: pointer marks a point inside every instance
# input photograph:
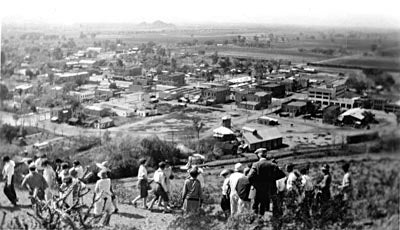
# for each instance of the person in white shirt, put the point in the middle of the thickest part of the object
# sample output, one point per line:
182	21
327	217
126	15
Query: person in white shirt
142	184
291	178
78	168
64	171
50	176
103	194
233	180
346	186
8	174
161	189
39	163
168	177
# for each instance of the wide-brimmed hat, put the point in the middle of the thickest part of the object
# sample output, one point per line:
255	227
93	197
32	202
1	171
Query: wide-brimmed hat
103	166
225	172
325	167
261	152
238	167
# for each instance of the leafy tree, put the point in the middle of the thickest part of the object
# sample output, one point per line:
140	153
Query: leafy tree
353	82
57	53
120	63
113	85
209	42
197	126
3	93
173	63
214	58
8	132
161	51
80	81
29	73
82	35
3	58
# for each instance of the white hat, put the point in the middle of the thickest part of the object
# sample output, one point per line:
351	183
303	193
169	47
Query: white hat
103	166
238	167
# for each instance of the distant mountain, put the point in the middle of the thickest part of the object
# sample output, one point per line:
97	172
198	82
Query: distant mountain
156	25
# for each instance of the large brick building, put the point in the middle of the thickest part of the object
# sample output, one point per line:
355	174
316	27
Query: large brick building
252	100
277	90
174	79
217	95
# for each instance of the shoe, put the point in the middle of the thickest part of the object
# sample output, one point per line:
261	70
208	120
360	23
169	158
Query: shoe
146	207
116	210
134	204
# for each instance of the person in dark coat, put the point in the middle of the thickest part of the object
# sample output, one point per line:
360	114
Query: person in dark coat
263	176
325	185
8	174
192	193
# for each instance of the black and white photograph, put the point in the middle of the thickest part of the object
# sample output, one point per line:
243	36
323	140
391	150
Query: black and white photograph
192	115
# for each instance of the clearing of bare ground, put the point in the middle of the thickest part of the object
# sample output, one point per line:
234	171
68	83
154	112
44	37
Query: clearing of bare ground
375	206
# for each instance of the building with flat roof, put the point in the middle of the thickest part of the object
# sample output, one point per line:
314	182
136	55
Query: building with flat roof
217	95
174	79
295	108
277	90
81	96
252	100
323	94
71	76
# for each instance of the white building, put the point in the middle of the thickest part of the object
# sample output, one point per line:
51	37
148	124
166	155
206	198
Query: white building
325	93
81	96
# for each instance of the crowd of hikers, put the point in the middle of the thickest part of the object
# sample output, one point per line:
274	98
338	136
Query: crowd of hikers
46	180
246	188
258	186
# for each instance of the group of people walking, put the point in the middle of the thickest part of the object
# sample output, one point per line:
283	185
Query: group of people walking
246	188
192	188
60	179
263	184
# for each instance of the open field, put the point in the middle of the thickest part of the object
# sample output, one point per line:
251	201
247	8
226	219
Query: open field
360	62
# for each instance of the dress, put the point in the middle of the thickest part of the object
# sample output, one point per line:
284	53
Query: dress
168	174
192	195
50	176
103	191
161	188
142	182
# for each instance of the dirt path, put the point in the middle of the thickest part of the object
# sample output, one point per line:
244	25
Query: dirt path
128	215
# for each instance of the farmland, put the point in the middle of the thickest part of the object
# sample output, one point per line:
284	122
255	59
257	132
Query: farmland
360	62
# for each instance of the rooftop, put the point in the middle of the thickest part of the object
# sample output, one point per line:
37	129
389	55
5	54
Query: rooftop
356	112
261	134
297	103
262	94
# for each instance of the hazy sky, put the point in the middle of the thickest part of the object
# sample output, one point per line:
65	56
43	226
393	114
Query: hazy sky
382	13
